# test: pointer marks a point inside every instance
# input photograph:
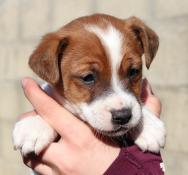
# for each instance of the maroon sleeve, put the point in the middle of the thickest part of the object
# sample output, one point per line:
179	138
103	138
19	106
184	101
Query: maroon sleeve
132	161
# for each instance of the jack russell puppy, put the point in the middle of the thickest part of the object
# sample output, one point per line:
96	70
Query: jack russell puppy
94	63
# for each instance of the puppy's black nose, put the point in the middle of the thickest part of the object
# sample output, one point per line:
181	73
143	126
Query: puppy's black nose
121	117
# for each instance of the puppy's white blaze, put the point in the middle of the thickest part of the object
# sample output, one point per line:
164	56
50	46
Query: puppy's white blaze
112	40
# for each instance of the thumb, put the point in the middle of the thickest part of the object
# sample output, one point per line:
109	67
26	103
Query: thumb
58	117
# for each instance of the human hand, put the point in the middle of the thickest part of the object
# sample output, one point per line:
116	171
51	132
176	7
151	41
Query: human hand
78	151
72	155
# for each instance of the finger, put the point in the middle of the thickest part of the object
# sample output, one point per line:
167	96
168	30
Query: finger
58	117
58	156
37	165
154	105
57	150
146	90
51	92
152	102
144	94
53	150
148	87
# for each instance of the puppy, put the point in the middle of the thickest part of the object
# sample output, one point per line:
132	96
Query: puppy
94	63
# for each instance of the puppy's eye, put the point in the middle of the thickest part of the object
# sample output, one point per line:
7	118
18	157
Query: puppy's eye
89	79
133	72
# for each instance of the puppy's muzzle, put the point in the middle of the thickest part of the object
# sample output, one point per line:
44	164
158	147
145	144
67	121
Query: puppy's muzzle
122	116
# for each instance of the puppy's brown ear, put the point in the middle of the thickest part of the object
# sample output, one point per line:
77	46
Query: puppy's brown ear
148	39
45	60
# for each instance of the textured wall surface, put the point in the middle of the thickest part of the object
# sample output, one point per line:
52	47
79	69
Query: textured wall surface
23	22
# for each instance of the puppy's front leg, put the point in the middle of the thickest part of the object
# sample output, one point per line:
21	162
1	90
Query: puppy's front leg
32	134
152	132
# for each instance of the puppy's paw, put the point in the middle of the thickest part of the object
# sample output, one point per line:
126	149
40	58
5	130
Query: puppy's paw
32	134
153	134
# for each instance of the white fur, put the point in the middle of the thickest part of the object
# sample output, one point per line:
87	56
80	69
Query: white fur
152	135
112	41
98	114
32	134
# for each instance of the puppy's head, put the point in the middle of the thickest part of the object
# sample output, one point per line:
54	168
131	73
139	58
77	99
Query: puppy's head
95	64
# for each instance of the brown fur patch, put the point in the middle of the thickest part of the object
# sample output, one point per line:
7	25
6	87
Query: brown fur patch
84	53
